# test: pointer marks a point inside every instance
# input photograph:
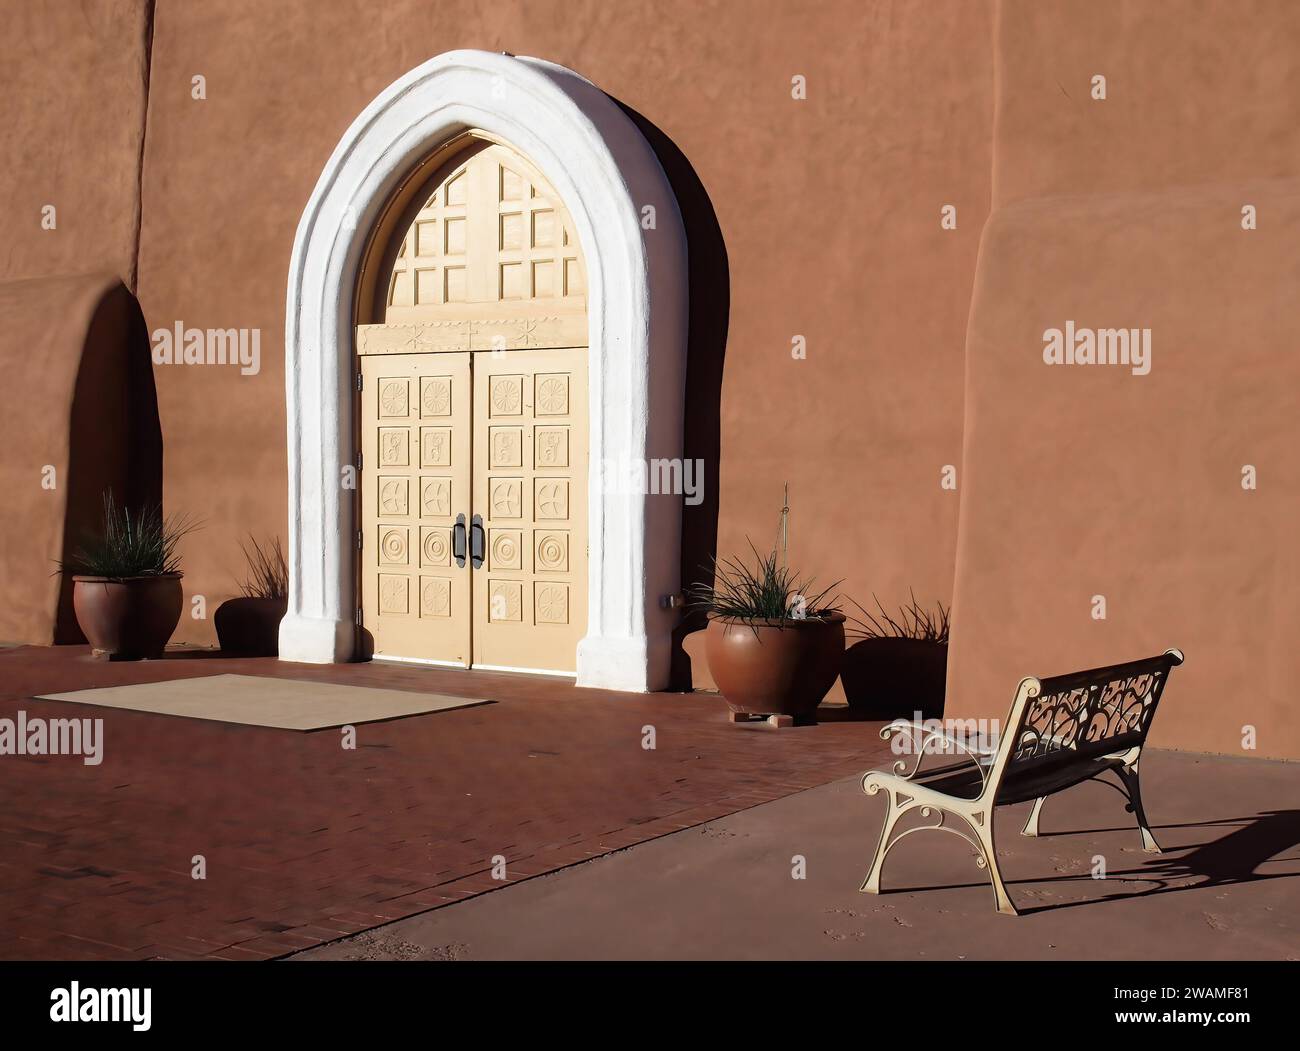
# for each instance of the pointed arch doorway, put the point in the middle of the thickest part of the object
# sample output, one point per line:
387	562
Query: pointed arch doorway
580	358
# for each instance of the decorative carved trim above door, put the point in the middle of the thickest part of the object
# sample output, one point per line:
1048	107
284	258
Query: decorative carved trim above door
433	337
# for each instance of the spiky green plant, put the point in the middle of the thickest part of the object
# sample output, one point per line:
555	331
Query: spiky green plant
268	573
912	622
767	590
130	543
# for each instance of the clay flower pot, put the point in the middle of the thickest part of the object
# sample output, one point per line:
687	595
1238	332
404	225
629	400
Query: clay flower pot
250	626
775	667
128	618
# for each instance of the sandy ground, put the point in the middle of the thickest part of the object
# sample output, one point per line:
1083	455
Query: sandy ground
1226	887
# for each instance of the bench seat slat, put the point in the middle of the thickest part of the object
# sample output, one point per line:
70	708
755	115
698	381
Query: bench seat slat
965	782
1019	786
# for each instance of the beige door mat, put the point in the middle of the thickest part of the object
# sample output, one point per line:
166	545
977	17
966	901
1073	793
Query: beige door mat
287	704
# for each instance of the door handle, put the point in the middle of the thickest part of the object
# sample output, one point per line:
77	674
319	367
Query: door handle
476	541
458	541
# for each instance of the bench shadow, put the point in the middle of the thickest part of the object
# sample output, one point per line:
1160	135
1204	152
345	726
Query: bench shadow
1235	858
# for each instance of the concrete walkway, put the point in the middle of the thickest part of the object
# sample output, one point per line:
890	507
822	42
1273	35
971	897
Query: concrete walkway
1227	886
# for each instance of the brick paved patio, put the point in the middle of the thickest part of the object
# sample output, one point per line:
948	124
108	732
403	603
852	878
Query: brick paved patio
305	841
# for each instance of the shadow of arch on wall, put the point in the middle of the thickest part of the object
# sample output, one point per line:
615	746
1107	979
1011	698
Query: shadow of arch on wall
82	412
115	438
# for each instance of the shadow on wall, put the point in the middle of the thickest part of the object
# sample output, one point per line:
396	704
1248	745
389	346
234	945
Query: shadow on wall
709	282
115	440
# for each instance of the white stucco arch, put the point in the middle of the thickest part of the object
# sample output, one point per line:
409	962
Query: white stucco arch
606	172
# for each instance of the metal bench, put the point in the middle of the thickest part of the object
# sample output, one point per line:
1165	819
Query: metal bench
1063	731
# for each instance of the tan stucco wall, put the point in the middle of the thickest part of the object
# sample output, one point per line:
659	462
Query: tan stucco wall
829	209
1082	481
72	81
1197	92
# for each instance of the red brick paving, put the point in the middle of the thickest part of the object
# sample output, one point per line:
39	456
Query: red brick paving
306	842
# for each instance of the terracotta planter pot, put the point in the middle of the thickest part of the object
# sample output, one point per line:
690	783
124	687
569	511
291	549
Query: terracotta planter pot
775	667
129	618
250	626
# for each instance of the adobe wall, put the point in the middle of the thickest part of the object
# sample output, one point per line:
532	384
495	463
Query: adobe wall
828	209
72	80
1083	481
72	77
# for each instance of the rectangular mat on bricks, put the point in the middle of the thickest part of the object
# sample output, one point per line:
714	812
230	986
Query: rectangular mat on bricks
287	704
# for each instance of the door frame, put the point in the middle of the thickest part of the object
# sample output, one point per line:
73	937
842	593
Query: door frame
608	177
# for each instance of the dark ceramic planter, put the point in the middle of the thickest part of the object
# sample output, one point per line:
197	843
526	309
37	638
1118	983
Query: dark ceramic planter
250	627
775	667
893	678
129	618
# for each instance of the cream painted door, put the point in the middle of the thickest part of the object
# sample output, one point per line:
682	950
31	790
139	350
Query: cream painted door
473	305
415	481
530	489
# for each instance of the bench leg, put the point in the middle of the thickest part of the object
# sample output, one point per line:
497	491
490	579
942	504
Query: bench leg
1129	775
984	832
1031	826
872	883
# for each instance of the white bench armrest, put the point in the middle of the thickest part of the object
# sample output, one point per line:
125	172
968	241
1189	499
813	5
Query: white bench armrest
981	751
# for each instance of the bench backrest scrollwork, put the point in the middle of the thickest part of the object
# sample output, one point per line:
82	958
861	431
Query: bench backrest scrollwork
1085	715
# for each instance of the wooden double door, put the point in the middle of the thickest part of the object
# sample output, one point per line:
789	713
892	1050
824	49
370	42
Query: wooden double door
474	507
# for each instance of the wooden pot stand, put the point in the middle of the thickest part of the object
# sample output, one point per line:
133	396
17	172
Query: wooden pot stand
776	720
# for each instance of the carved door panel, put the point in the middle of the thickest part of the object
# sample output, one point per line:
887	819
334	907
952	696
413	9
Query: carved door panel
415	480
530	489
